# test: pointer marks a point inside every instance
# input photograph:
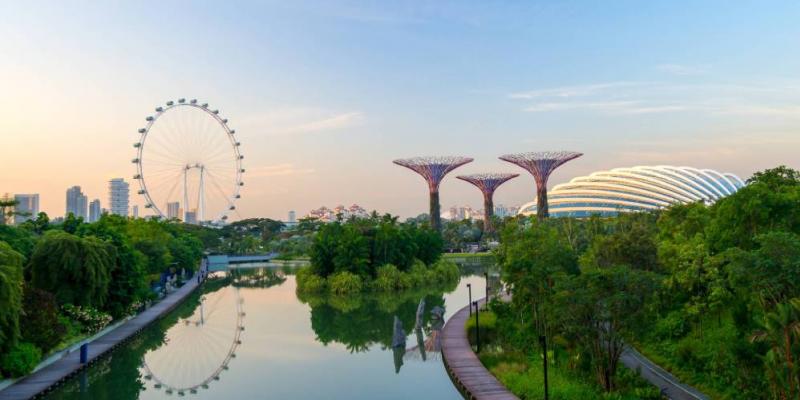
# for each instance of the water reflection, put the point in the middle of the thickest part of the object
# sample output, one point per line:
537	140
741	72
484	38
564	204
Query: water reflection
295	348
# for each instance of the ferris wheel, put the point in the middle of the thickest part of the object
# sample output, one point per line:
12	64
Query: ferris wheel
188	163
199	348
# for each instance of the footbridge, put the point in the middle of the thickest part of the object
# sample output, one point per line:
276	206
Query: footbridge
221	262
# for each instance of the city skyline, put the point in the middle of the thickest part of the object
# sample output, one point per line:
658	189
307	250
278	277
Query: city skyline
322	118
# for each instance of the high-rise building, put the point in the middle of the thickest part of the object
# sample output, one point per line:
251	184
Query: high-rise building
77	202
135	211
191	217
118	195
173	210
292	217
27	207
94	210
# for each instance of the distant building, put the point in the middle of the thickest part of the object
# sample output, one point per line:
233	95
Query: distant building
135	212
94	210
118	196
292	217
77	202
453	213
191	217
325	214
173	210
27	207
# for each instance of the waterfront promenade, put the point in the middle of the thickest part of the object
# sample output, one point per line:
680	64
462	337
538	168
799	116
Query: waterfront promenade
55	373
465	369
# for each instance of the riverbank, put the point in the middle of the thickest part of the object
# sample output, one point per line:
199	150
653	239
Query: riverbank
44	379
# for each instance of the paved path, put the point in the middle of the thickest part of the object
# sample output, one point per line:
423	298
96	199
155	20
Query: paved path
670	385
465	369
44	379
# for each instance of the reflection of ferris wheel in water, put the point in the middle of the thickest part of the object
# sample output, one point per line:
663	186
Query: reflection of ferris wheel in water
188	159
198	348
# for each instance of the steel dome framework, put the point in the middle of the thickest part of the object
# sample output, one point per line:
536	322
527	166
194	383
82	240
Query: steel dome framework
216	156
641	188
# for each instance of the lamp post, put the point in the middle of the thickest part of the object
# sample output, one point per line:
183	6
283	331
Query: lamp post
486	274
477	329
469	288
543	341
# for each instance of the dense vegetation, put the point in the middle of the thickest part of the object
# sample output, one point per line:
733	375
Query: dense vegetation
374	253
710	292
62	282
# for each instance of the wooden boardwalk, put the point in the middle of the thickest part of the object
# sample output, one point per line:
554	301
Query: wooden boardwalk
469	375
57	372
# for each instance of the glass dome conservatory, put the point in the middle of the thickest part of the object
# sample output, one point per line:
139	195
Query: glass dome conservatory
642	188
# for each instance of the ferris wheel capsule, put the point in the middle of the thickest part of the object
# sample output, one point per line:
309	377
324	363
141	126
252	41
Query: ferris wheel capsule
142	130
181	101
193	101
159	109
149	119
233	131
170	103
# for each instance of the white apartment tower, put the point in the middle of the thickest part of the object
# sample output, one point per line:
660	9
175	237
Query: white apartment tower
118	196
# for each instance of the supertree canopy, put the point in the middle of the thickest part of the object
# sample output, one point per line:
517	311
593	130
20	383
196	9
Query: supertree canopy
541	165
488	183
433	169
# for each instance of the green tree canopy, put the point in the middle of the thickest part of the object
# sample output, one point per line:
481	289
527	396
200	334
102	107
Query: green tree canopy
10	295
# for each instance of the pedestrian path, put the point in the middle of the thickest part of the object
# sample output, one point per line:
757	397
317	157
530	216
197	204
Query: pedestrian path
465	369
55	373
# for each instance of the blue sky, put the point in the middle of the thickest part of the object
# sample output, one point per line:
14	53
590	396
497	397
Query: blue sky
325	94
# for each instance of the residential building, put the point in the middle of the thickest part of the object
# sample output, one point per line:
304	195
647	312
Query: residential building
94	210
77	202
174	210
118	196
27	207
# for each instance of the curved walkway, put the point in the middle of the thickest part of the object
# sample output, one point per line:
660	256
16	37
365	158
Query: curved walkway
465	369
45	378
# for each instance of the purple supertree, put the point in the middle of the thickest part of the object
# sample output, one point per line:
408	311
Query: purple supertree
433	169
488	183
541	165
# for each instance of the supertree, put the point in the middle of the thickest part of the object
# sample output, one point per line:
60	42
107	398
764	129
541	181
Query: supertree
488	183
541	165
433	169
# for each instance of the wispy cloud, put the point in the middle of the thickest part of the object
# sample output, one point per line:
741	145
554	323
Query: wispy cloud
775	99
285	169
683	70
295	121
334	122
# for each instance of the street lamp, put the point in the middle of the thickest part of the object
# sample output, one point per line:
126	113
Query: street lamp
477	329
543	342
469	288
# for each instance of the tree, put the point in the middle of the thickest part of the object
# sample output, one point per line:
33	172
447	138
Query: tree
39	323
76	270
780	328
10	296
631	241
597	309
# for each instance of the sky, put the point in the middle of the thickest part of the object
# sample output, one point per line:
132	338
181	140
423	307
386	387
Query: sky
324	95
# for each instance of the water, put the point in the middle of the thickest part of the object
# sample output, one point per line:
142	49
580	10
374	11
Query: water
291	348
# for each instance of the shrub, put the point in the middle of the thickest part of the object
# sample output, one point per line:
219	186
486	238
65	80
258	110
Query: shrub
344	283
673	326
446	271
93	321
21	360
309	282
418	273
488	327
389	278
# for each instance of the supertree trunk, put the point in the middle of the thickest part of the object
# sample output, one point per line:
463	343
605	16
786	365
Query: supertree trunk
542	210
435	212
488	213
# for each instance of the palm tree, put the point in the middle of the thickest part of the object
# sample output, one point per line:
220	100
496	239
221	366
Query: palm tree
780	328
